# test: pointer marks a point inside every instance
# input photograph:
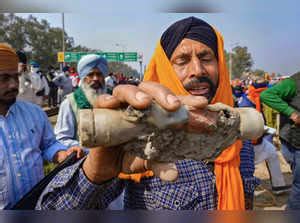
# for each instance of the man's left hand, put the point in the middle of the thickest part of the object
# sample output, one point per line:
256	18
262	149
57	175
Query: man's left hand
60	156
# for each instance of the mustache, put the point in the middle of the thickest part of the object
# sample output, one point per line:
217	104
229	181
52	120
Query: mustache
14	90
96	82
198	80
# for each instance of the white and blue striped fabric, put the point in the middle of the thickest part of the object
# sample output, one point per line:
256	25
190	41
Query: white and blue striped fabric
26	137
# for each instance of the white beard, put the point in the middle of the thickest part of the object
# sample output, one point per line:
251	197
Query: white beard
90	93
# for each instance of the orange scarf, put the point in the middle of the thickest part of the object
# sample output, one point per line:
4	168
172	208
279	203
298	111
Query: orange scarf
228	179
253	95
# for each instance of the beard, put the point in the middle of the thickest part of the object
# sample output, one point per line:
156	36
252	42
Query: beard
197	83
90	92
9	97
8	102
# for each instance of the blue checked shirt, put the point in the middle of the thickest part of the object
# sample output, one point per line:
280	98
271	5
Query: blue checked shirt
26	137
247	168
193	190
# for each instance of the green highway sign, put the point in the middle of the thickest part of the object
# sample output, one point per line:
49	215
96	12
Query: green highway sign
109	56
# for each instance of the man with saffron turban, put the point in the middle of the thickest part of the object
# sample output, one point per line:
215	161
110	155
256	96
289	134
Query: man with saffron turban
188	67
26	136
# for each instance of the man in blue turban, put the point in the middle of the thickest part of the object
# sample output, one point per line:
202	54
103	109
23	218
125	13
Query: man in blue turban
92	70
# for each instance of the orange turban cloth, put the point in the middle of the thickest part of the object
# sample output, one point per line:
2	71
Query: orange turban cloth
228	179
8	58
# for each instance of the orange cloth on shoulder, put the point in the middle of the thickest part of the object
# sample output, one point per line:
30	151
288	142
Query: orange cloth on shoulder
228	179
253	95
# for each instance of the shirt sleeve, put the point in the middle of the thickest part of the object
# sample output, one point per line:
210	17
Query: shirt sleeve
46	86
49	145
277	96
66	127
71	190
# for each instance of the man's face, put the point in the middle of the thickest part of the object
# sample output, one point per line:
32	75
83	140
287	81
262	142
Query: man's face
22	67
9	86
197	68
95	79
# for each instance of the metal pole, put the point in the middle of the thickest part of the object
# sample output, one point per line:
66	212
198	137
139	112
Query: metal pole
141	69
63	35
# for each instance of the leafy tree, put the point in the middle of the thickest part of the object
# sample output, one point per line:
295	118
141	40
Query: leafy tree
258	72
38	39
241	61
41	42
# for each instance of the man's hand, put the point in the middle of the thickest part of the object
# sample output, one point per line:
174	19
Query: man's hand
105	163
295	116
61	155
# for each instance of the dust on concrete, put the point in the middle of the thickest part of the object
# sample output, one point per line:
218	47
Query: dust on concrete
264	199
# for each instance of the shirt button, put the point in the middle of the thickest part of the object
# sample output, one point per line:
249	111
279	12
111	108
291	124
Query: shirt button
176	203
18	174
14	155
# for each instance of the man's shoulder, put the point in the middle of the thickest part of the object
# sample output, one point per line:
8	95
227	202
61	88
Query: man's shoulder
67	101
28	105
66	105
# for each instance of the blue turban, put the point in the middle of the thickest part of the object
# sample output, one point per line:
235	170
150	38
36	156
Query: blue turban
66	68
89	62
34	64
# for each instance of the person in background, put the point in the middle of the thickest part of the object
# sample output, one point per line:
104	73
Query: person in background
52	98
264	148
26	136
74	77
39	84
92	70
284	97
109	83
64	84
26	92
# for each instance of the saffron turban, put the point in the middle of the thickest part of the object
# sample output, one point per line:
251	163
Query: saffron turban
8	58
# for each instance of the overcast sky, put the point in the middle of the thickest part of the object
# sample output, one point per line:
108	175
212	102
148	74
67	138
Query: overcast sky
270	29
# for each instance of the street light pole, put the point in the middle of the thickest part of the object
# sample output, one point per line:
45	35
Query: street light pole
141	65
63	37
121	45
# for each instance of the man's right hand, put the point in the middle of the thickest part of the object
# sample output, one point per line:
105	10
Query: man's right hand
105	163
295	116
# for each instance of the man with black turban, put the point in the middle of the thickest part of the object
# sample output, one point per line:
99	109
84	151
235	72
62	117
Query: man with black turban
188	67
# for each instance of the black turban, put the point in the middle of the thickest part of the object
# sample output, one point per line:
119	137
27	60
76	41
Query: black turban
191	28
22	57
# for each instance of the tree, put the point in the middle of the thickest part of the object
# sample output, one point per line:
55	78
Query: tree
258	72
41	42
38	39
241	61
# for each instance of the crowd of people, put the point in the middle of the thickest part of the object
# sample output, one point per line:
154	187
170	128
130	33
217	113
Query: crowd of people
188	68
49	88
